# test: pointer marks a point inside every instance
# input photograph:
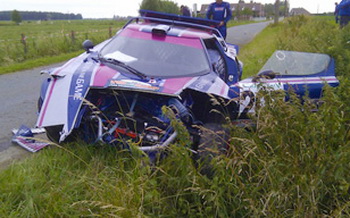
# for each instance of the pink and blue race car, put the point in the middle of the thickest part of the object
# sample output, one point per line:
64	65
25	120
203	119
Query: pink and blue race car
116	91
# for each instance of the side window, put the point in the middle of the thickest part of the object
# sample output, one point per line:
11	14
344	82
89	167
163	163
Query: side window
216	58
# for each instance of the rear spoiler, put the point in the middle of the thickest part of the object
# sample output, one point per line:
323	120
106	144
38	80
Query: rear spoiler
164	18
175	17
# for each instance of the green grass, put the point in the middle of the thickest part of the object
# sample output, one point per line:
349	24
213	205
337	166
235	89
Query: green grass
255	54
295	163
47	186
49	38
30	64
41	29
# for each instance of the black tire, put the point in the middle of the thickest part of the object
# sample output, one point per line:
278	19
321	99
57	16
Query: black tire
53	133
40	104
221	111
213	142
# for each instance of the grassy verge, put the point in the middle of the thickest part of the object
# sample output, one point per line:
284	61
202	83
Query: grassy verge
255	54
294	164
30	64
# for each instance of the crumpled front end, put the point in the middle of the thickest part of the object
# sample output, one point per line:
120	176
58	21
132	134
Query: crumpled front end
73	89
117	117
63	94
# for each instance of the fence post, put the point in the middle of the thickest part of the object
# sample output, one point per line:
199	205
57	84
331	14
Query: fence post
24	42
110	32
72	35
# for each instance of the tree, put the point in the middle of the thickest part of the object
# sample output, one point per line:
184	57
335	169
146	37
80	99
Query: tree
170	7
153	5
277	7
269	10
247	12
160	5
283	9
16	17
286	8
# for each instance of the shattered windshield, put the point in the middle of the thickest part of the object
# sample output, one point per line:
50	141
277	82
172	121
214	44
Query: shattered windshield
158	56
296	63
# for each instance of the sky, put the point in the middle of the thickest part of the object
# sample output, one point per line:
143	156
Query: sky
109	8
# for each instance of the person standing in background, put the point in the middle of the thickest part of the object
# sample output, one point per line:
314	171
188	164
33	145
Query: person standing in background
220	11
344	12
336	13
185	11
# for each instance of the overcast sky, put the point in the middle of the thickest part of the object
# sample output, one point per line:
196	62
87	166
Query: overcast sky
108	8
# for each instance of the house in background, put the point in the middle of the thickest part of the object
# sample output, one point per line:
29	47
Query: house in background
252	9
299	11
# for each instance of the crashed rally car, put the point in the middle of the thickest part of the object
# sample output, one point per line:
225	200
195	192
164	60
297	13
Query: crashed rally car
115	91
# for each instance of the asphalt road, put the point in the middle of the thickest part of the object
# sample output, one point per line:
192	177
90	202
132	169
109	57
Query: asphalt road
241	35
20	92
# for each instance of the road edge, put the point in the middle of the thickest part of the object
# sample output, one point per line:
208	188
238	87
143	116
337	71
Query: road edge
11	155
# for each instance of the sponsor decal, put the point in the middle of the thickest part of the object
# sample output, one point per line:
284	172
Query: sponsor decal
219	8
257	86
204	83
29	145
79	84
133	84
78	89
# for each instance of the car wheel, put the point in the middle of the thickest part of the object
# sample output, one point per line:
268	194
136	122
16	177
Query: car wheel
213	142
53	133
40	104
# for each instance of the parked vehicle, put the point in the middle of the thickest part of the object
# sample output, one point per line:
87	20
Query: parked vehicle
116	91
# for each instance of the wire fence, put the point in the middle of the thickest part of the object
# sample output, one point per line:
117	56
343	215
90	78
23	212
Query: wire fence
62	34
31	47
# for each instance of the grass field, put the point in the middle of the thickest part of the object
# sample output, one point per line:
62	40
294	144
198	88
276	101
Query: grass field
295	163
46	39
42	29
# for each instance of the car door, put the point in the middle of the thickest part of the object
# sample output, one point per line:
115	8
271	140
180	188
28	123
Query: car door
300	71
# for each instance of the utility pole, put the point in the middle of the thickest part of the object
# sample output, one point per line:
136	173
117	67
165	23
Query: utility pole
286	9
194	10
277	10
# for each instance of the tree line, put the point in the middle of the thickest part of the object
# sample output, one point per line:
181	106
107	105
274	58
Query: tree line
169	6
34	15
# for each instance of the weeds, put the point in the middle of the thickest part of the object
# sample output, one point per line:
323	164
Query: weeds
296	158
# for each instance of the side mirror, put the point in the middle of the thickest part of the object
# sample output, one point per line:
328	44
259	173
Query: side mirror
87	45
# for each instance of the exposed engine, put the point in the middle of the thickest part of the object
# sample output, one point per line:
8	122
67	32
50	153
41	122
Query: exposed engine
118	116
